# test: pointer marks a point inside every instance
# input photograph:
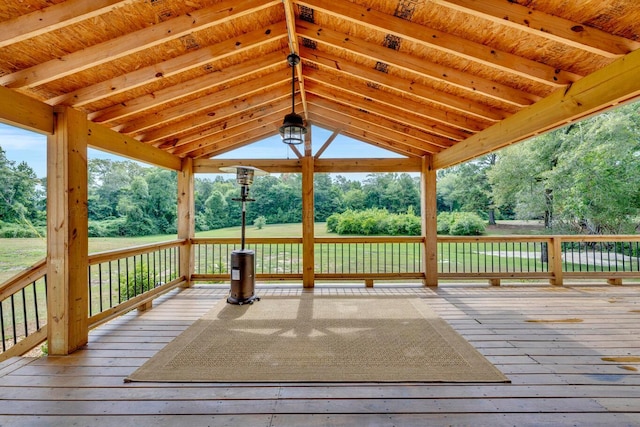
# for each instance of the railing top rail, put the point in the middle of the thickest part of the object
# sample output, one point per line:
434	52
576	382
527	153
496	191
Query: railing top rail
599	237
100	257
510	238
371	239
248	240
20	280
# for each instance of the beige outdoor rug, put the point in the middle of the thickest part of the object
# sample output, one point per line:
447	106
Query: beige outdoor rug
320	339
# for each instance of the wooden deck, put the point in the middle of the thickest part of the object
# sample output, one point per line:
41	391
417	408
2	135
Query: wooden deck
549	341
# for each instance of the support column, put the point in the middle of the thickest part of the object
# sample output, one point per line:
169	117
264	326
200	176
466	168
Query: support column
555	261
429	221
308	238
186	218
67	233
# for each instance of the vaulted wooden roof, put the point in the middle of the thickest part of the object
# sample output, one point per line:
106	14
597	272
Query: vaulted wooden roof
198	78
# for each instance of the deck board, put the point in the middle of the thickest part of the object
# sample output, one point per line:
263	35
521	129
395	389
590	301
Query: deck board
556	368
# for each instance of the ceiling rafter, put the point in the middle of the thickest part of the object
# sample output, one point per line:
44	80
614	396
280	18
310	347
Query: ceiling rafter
215	113
448	43
290	18
54	17
396	113
414	65
206	102
369	137
244	118
382	121
407	87
230	143
545	25
263	121
393	100
190	87
180	64
128	44
375	128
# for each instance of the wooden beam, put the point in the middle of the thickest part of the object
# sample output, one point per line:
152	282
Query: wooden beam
370	138
24	112
235	141
428	202
67	234
399	115
187	88
448	43
434	118
162	70
217	113
308	238
250	118
416	66
53	18
542	24
268	165
111	141
407	87
398	165
401	164
371	125
207	102
294	47
186	218
131	43
229	133
607	87
326	144
381	121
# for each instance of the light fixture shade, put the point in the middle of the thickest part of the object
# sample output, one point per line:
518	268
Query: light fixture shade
293	129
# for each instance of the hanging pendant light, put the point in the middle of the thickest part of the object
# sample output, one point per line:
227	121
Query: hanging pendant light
293	129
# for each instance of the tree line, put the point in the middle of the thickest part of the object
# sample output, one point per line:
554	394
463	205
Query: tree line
584	178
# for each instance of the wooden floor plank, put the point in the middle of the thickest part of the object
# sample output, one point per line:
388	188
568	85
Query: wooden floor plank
555	364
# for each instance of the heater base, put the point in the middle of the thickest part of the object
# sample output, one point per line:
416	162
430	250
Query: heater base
250	300
242	278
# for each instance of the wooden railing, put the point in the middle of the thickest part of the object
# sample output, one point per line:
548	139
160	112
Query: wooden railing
125	279
23	311
131	278
493	258
119	281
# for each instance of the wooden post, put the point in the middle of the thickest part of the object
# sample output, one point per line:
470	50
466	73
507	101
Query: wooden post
429	222
67	233
186	218
308	238
555	260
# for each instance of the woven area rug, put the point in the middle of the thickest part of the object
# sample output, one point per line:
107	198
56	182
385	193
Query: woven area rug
315	338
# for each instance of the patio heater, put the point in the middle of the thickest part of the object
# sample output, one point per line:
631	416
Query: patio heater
242	261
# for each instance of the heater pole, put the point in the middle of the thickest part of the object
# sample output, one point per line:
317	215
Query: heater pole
245	193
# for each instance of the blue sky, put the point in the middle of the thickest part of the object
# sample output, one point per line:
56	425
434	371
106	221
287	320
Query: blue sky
20	145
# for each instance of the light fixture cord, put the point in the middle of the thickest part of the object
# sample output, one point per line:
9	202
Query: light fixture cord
293	89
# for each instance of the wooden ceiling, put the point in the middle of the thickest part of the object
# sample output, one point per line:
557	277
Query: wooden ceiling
449	78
